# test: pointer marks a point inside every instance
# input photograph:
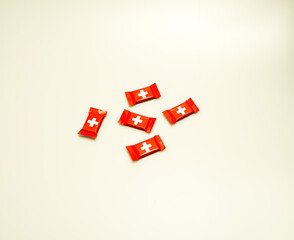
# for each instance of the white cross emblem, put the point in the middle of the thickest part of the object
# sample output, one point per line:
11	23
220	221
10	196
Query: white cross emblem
181	110
143	94
146	147
137	120
92	122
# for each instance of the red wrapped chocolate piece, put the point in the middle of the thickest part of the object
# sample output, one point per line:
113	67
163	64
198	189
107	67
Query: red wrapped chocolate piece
93	122
137	121
145	148
143	94
181	111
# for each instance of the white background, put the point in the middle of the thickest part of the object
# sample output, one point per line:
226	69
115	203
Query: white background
227	171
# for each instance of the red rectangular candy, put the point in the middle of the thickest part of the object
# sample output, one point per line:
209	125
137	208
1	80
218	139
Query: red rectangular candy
93	122
137	121
145	148
143	94
181	111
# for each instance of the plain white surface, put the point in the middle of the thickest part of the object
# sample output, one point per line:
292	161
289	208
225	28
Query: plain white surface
226	173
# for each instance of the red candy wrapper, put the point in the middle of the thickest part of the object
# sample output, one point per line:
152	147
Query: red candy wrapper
181	111
93	122
143	94
137	121
145	148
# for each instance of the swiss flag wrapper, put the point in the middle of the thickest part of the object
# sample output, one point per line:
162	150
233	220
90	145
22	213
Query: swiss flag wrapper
143	94
145	148
93	122
181	111
137	121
